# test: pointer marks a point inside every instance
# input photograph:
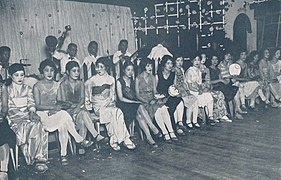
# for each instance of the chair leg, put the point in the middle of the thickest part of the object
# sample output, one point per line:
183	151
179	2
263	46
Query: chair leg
17	157
132	128
13	159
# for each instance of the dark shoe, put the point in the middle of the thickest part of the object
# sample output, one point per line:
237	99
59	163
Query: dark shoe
174	139
86	143
167	138
212	122
181	127
158	135
100	138
189	125
196	125
180	132
64	160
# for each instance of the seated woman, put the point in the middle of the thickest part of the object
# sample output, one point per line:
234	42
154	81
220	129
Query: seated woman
234	106
254	75
190	101
194	80
276	85
72	94
130	106
166	78
19	106
220	111
251	88
154	104
52	116
100	97
268	78
221	85
7	140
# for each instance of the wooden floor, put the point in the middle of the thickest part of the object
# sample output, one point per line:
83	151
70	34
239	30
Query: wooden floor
244	149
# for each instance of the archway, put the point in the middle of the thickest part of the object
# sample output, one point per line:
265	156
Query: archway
242	26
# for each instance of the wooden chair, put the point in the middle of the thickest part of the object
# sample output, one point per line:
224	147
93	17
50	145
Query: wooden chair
132	130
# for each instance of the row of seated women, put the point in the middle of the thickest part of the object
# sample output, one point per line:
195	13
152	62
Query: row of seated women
65	106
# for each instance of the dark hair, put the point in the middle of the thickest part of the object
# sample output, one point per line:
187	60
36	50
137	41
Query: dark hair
125	65
45	63
14	68
92	43
144	63
252	55
4	48
262	52
274	50
70	65
105	61
71	44
164	60
122	41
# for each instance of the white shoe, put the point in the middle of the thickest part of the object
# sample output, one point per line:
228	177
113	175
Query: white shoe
226	119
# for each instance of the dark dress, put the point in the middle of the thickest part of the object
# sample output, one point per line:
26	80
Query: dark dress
228	90
162	88
129	109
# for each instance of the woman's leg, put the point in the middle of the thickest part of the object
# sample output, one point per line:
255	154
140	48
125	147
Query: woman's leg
147	119
144	127
194	112
88	122
63	139
117	130
4	158
178	114
159	118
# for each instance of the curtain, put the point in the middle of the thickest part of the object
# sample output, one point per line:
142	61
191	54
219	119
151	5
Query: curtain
26	23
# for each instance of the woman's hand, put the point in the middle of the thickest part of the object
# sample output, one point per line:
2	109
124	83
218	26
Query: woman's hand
33	116
153	101
76	110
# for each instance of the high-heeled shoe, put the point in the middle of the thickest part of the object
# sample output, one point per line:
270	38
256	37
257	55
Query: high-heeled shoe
100	138
167	138
85	143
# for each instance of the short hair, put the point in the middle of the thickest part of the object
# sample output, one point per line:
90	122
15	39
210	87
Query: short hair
144	63
15	67
45	63
122	41
164	60
105	61
70	65
125	65
92	43
4	48
71	44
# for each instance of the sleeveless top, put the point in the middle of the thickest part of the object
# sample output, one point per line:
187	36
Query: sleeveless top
72	95
48	96
164	84
128	92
